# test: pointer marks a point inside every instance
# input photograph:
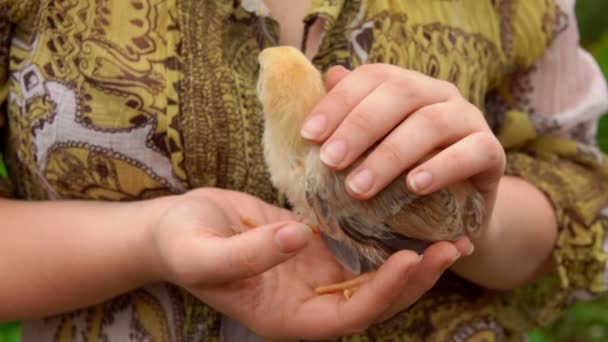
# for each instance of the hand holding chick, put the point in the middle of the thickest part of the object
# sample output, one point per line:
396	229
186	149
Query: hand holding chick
364	226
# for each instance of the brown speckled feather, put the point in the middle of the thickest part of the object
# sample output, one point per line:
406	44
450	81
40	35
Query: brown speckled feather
363	234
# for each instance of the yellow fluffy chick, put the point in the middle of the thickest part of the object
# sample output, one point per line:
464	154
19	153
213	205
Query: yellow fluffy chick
361	234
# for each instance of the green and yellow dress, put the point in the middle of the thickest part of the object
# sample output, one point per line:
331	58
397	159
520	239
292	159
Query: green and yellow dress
122	100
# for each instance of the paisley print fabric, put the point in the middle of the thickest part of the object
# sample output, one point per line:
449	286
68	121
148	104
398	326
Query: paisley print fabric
126	100
97	101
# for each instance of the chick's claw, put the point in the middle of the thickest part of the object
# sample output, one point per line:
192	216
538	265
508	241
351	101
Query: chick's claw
348	293
348	287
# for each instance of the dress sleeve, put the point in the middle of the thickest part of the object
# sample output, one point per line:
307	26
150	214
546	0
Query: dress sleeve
548	124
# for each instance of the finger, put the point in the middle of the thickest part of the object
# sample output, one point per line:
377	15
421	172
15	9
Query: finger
334	75
377	114
479	155
253	252
464	246
441	123
338	102
361	310
436	259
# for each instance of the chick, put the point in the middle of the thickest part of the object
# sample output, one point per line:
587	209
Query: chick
361	234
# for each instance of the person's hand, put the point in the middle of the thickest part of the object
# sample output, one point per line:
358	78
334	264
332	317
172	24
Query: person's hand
410	116
265	277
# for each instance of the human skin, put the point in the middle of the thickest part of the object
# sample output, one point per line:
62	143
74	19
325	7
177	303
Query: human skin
65	255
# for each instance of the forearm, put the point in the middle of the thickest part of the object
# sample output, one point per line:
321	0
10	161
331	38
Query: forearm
57	256
517	247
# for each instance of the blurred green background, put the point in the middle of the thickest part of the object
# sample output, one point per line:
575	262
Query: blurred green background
593	24
584	322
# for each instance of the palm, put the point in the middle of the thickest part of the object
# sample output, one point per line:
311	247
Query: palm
290	285
281	302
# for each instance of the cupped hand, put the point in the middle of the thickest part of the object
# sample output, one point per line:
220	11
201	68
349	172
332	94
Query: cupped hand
411	123
265	277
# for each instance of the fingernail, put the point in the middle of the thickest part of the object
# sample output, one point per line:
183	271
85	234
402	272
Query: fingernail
334	153
456	257
292	237
361	182
471	249
314	127
421	181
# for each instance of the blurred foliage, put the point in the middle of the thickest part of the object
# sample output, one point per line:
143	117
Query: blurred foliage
603	134
3	173
591	15
593	27
600	51
10	332
585	322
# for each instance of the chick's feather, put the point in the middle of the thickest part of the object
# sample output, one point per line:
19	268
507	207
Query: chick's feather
360	233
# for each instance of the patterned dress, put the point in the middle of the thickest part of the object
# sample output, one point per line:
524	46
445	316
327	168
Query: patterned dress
121	100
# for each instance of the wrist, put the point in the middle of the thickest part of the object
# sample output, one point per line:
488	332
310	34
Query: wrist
148	262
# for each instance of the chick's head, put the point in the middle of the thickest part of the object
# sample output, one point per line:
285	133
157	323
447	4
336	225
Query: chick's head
288	84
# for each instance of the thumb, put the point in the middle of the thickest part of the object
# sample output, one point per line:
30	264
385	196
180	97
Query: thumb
255	251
